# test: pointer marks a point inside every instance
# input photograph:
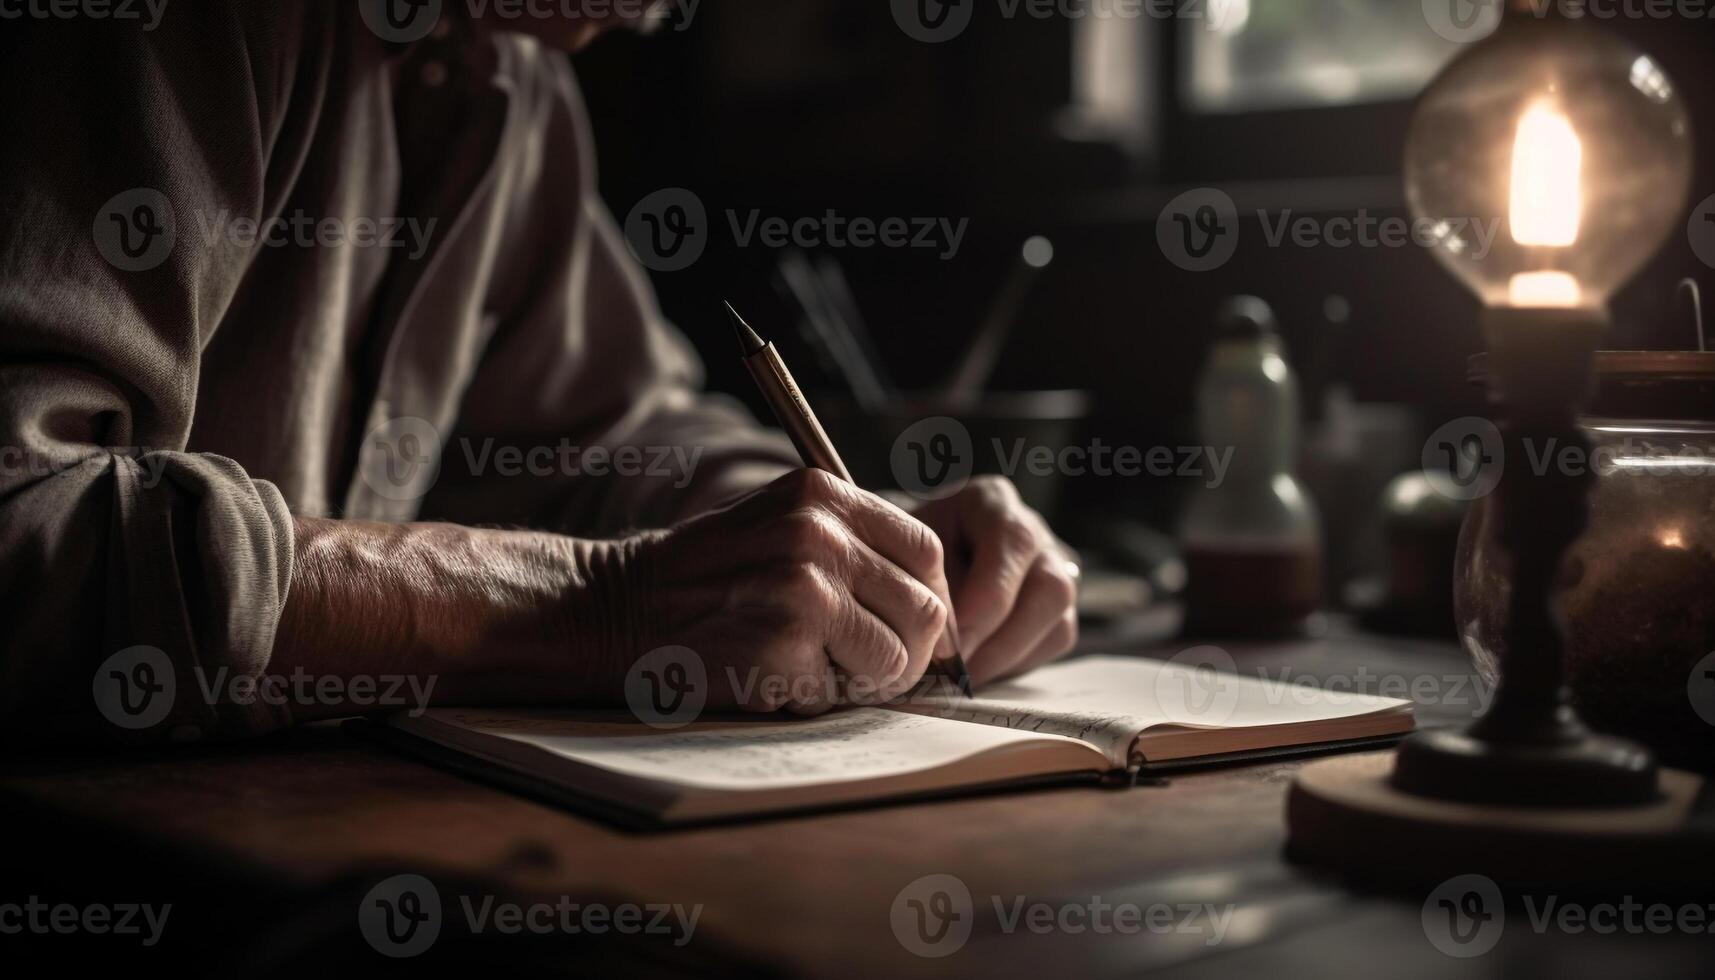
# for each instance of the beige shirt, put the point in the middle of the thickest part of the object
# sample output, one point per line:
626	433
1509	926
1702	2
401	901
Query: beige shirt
205	331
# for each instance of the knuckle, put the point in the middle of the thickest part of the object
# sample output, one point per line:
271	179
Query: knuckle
926	546
1016	533
811	533
1058	587
811	485
1065	635
996	489
807	593
931	613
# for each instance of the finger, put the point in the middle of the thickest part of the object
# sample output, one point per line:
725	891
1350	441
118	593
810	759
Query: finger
836	622
1047	593
1006	540
915	616
1059	641
907	543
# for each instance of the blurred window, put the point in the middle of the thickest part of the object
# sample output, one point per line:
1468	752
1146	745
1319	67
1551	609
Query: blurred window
1247	55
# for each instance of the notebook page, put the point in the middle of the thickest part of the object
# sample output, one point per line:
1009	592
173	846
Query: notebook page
1108	701
743	754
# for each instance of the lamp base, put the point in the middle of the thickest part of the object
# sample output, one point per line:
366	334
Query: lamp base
1591	771
1348	814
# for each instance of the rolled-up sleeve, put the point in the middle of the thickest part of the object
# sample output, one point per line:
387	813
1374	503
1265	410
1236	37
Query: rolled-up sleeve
597	398
113	538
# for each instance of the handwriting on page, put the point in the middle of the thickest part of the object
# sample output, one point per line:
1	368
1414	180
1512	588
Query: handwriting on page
1110	733
743	754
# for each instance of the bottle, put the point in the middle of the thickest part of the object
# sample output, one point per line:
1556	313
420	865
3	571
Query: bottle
1252	543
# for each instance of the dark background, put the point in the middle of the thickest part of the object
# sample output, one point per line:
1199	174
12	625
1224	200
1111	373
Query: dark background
796	107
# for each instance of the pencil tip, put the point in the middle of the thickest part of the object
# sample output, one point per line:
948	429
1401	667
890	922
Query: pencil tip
748	341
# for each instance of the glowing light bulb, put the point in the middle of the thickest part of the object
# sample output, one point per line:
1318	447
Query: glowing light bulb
1547	159
1553	159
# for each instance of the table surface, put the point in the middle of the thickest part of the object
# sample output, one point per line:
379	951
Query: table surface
314	810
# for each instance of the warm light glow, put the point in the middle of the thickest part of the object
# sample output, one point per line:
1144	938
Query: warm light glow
1671	538
1548	160
1531	290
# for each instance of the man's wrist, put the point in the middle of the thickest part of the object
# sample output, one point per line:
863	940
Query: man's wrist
604	621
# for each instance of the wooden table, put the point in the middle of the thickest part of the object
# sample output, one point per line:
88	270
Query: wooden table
267	849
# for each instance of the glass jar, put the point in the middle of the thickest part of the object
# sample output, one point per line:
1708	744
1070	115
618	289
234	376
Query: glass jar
1639	585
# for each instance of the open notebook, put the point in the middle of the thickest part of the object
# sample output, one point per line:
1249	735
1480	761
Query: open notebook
1083	718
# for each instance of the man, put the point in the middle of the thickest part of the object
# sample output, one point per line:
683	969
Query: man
318	248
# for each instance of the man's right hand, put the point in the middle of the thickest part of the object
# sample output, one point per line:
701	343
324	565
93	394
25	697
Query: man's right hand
804	580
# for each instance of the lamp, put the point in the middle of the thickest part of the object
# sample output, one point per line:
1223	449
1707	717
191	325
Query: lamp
1575	149
1572	151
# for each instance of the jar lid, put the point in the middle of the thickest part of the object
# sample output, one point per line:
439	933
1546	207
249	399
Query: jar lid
1663	384
1628	365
